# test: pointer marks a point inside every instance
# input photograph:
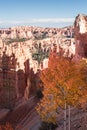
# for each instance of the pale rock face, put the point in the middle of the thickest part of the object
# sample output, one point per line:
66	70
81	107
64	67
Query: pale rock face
81	23
29	34
80	27
45	63
27	90
72	48
12	35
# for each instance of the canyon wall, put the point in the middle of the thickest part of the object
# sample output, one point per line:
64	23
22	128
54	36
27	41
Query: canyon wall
80	27
24	51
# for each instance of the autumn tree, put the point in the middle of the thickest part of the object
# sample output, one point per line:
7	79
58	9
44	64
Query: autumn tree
63	86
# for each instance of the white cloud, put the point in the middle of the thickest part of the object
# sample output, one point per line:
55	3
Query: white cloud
11	22
45	20
53	20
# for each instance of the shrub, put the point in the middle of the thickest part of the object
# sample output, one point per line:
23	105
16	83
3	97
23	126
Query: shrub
47	126
39	93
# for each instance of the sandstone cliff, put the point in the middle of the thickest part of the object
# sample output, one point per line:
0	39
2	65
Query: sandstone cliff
80	27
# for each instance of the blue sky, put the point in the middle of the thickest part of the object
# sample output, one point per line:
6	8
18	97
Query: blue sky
45	13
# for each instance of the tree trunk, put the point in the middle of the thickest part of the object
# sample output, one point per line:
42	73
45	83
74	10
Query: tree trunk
69	117
65	117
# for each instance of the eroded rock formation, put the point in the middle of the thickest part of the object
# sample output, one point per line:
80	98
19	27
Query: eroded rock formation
25	50
80	26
